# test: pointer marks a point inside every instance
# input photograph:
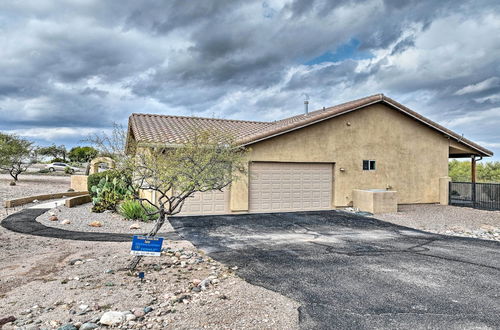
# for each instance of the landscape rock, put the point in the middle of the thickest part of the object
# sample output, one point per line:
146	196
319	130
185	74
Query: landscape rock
7	320
65	222
12	183
54	323
148	309
89	326
139	313
68	326
204	284
130	317
72	262
135	226
83	307
53	218
112	318
95	224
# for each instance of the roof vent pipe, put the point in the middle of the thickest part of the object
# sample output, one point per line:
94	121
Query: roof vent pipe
306	103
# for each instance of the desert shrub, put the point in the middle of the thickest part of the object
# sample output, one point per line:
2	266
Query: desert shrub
133	210
108	193
68	170
94	179
460	171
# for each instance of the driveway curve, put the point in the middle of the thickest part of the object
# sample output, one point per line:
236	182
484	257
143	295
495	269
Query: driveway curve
24	222
354	272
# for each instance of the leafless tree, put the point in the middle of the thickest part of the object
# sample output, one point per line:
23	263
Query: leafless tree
208	160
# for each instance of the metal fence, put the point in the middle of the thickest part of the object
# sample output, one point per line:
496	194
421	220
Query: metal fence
478	195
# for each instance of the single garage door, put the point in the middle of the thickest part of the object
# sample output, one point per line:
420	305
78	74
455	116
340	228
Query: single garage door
282	187
206	203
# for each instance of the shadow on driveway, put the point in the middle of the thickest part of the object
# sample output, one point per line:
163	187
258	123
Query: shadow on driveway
354	272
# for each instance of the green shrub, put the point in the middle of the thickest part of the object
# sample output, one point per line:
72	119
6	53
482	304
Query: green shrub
94	179
68	170
460	171
133	210
57	160
108	193
44	170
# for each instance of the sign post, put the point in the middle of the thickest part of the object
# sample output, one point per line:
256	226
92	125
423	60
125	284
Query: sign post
146	246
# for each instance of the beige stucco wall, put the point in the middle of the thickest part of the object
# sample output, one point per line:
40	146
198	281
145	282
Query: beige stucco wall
79	182
375	201
410	157
444	190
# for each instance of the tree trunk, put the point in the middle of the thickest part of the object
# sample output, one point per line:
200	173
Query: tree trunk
14	174
159	223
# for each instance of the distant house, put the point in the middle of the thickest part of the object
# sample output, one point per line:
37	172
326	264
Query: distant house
314	161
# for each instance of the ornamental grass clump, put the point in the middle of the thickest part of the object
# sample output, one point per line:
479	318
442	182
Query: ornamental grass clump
133	210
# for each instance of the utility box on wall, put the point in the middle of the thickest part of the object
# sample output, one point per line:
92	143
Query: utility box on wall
375	200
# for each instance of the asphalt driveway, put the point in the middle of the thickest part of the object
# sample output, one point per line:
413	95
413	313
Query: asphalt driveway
353	272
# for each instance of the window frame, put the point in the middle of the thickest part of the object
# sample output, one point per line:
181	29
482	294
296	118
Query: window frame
372	165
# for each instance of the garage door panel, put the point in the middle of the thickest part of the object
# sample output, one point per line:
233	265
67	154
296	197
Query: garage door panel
292	187
206	203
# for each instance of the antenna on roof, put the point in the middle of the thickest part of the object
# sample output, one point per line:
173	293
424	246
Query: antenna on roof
306	103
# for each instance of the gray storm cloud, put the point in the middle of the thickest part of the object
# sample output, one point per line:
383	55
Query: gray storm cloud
79	66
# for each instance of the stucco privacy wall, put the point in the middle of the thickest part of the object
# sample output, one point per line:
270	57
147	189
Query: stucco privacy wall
410	157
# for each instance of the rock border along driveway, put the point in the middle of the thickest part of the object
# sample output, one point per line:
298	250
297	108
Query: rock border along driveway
24	222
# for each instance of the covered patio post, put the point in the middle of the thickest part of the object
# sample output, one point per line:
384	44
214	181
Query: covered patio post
473	169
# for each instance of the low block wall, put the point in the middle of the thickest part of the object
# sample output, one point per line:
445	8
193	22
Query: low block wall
26	200
79	182
78	200
444	185
375	201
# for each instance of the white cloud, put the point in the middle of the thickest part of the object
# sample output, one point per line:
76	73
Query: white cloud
476	118
480	86
59	133
489	144
490	99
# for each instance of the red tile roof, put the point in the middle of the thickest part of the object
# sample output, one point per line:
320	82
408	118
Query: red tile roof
175	129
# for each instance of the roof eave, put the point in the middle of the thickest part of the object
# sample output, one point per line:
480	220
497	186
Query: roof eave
481	151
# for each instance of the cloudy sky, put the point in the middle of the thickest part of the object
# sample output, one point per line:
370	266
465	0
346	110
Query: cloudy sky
70	68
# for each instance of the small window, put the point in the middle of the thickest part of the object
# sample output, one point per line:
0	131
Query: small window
368	165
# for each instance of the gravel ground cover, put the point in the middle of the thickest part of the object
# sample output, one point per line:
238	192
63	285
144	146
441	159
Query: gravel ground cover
47	283
78	219
29	185
78	283
448	220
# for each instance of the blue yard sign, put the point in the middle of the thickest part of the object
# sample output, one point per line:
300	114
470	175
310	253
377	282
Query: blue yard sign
146	246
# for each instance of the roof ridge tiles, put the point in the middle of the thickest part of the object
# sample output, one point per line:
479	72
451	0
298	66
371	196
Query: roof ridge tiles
248	132
196	117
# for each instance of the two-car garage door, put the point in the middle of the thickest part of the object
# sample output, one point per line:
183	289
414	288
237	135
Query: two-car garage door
273	187
285	187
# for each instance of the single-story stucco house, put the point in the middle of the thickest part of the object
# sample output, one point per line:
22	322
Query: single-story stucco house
314	161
